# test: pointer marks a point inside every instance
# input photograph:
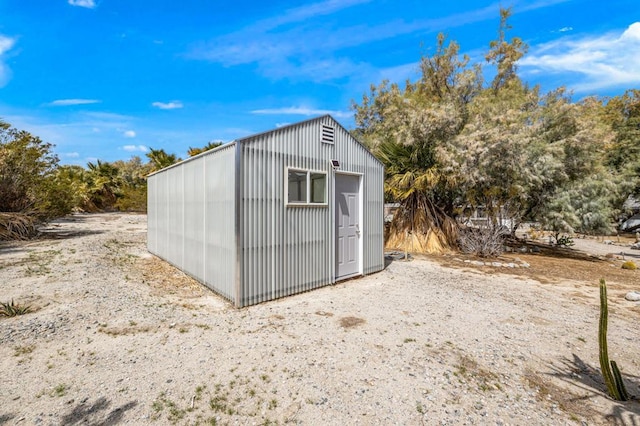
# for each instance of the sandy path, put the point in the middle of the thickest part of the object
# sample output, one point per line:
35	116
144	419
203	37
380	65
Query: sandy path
121	338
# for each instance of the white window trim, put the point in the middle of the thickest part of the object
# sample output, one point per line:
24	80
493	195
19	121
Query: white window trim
308	181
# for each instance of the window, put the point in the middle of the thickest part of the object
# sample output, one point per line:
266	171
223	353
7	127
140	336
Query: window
306	187
318	188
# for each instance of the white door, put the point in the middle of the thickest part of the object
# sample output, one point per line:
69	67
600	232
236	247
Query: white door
347	225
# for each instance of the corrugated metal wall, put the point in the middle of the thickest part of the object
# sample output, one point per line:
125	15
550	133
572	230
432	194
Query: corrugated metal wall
287	250
206	211
191	210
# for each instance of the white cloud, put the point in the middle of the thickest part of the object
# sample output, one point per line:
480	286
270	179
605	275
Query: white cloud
565	29
70	155
168	105
303	13
129	134
89	4
67	102
632	33
135	148
302	111
299	43
6	43
608	61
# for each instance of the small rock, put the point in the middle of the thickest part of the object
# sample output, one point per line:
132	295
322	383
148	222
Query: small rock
633	296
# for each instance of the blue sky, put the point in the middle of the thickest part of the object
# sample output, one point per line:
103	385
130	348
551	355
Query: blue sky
108	79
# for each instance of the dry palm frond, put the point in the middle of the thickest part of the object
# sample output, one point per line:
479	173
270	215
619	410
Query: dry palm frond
17	226
419	226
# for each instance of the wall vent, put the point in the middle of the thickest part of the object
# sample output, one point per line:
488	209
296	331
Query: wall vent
328	134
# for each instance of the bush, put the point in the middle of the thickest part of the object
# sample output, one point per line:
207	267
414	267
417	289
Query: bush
487	241
629	265
12	309
133	199
564	241
27	169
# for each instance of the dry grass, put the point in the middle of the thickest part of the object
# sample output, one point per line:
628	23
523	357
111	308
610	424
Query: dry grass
468	367
548	392
165	278
124	331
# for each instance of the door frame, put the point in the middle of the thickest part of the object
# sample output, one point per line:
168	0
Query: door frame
360	177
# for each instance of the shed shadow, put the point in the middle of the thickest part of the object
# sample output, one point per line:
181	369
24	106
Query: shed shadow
576	371
391	256
97	414
65	235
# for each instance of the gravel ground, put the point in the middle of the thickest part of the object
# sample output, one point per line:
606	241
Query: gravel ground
120	337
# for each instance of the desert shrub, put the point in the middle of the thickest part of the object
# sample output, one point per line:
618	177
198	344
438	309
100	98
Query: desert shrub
564	241
31	189
535	234
487	241
133	199
12	309
28	181
629	265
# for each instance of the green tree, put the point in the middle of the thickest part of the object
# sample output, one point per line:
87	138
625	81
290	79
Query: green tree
580	193
159	159
133	191
622	113
505	55
452	145
490	155
104	185
406	128
27	175
210	145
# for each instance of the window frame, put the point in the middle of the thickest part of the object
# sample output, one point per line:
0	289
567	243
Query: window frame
308	173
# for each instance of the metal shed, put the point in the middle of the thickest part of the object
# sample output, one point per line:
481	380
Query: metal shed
273	214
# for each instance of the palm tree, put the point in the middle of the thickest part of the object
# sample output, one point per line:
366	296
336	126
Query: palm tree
104	184
421	224
211	145
159	159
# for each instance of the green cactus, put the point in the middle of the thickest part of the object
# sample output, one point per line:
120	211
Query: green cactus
610	371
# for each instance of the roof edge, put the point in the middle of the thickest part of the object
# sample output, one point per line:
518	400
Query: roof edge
186	160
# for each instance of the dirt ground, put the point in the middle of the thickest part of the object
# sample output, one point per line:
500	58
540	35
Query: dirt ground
117	336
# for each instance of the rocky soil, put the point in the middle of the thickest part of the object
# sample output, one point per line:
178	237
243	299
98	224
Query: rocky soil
117	336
